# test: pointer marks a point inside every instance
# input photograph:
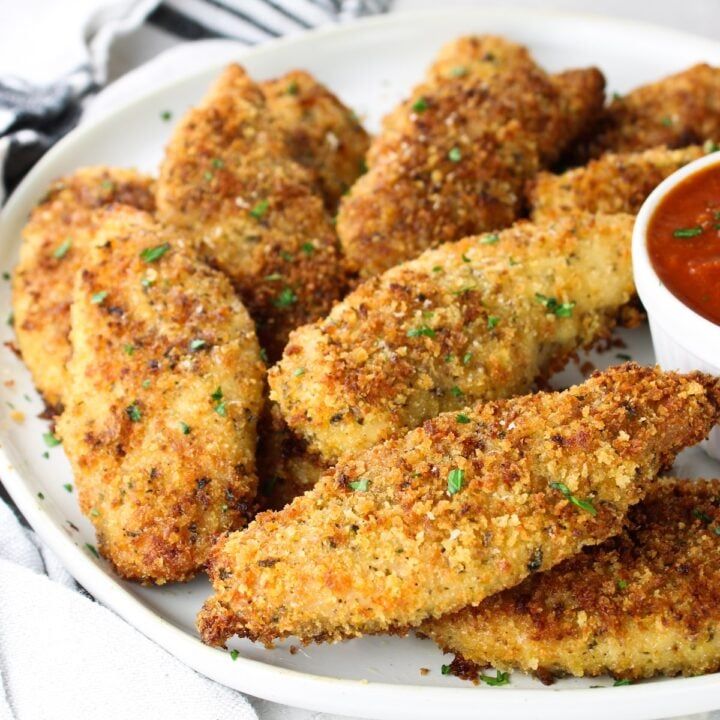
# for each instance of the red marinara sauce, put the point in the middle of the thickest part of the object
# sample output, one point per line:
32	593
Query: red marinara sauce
683	242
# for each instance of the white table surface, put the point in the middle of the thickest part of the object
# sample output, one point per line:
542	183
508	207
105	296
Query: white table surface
19	30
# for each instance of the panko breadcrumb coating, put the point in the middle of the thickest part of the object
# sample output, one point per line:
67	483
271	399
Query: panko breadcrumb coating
320	132
475	320
457	510
166	386
615	183
56	239
228	180
454	159
644	603
679	110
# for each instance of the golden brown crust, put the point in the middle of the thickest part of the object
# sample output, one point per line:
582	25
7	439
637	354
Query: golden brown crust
455	511
456	164
679	110
227	180
320	132
468	321
644	603
616	182
166	386
55	241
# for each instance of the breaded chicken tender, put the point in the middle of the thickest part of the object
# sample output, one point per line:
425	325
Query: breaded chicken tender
454	159
228	180
679	110
166	386
644	603
475	320
457	510
320	132
55	241
615	183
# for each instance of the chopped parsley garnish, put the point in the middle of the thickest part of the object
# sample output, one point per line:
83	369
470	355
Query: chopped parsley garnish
263	355
562	310
702	516
455	481
99	297
62	250
422	330
621	585
208	176
92	549
420	105
455	155
585	505
624	681
666	121
623	356
10	318
107	185
466	358
272	277
492	321
458	71
68	487
128	349
286	256
218	394
165	115
51	440
298	372
286	298
489	239
46	455
260	209
95	512
152	254
292	88
463	290
219	408
360	485
218	163
133	412
41	496
146	282
710	146
437	269
146	384
462	419
446	670
465	258
234	654
687	232
197	344
6	275
185	428
308	248
501	678
456	391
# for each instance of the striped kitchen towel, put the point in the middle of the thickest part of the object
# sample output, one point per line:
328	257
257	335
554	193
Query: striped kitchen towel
35	116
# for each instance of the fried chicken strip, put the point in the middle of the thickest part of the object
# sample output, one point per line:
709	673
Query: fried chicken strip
615	183
166	386
320	132
454	161
457	510
644	603
55	240
475	320
227	179
679	110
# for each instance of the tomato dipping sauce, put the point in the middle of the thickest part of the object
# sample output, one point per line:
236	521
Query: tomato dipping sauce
683	242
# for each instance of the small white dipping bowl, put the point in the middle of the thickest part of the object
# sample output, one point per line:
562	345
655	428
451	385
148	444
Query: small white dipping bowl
682	339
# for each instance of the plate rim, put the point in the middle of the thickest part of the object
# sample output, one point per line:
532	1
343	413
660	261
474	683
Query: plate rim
294	687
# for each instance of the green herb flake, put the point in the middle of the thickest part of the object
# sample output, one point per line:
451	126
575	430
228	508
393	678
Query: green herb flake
620	683
153	254
689	232
218	163
360	485
234	654
623	356
293	88
456	391
208	176
621	585
10	318
46	455
165	115
585	505
6	275
492	321
710	146
217	395
260	209
458	71
437	269
62	250
146	282
129	349
462	419
455	480
146	384
490	239
93	550
273	277
95	512
466	358
702	516
197	344
185	428
561	310
423	330
133	412
108	185
99	297
501	678
263	355
286	256
308	248
465	258
667	121
420	105
298	372
446	670
220	409
51	440
455	155
286	298
68	487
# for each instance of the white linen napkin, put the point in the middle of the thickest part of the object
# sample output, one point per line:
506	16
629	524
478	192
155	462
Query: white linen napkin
64	656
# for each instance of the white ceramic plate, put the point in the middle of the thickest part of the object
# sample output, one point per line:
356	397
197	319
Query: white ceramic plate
370	65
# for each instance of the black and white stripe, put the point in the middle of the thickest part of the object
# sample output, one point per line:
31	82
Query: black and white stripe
33	118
